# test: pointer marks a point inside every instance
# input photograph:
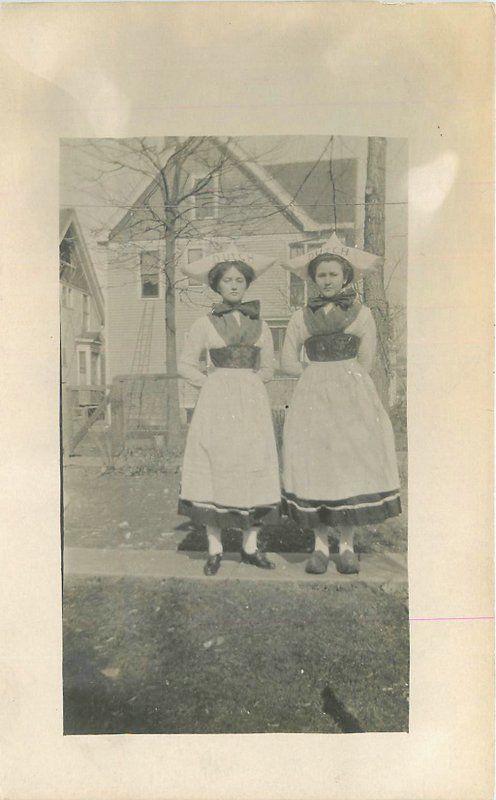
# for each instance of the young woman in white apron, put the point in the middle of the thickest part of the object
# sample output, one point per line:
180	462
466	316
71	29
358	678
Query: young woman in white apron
230	474
340	468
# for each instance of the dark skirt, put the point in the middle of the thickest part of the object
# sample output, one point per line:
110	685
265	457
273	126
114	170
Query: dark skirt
361	510
224	517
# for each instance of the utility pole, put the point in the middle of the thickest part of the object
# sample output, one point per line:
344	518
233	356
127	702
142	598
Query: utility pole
374	242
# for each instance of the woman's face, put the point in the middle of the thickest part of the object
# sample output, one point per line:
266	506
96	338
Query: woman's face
232	286
329	278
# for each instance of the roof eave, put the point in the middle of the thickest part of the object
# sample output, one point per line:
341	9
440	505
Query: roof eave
270	186
71	218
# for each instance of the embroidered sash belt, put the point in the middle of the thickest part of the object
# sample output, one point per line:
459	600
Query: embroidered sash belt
236	356
332	347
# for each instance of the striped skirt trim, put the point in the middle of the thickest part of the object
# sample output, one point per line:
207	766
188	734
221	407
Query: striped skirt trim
367	509
208	513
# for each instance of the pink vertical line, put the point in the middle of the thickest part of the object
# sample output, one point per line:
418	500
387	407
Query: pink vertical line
445	619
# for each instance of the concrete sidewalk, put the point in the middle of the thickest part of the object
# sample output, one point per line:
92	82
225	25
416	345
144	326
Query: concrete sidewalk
377	568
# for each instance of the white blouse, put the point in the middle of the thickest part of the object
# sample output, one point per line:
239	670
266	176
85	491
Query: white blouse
297	333
203	337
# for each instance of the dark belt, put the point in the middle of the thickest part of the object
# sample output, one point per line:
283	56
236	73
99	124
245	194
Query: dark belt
236	356
332	347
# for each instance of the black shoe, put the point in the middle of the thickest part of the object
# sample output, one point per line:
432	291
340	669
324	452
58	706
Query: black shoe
317	563
258	559
212	564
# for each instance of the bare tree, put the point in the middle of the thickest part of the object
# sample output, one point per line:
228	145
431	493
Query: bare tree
182	179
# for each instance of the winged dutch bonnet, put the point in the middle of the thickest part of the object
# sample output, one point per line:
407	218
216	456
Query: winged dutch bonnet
360	261
201	268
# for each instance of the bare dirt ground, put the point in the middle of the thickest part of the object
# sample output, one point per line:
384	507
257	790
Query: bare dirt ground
118	509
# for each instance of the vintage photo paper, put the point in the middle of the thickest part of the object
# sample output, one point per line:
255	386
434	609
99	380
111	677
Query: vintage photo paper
248	467
268	432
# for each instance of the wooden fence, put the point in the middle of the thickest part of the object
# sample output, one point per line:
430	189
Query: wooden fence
137	405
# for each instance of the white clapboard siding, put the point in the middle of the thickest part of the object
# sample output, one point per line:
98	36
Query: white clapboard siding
270	236
125	305
124	314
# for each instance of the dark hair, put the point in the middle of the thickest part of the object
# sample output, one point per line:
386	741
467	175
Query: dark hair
347	268
222	267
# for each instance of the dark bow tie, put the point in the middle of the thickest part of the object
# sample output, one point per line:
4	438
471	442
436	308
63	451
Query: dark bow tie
344	300
250	309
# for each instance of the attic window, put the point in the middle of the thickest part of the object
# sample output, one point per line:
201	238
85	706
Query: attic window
65	252
206	198
150	274
67	255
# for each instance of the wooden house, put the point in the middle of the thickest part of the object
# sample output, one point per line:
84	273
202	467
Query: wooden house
279	210
82	319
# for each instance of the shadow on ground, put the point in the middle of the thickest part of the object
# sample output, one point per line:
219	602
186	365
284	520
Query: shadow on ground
285	537
172	656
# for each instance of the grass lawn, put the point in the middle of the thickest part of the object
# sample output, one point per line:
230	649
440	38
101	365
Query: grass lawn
172	656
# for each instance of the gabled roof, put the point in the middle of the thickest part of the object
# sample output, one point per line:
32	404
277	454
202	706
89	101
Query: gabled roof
271	186
146	189
65	215
261	175
313	187
68	218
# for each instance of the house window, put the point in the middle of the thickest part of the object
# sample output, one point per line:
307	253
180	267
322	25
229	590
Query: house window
300	291
150	273
277	328
82	367
94	369
194	253
312	246
66	298
297	291
86	313
206	198
296	249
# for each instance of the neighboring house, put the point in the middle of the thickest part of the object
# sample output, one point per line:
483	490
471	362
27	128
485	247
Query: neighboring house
279	210
82	318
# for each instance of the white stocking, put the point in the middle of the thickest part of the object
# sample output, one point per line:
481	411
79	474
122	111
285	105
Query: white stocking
346	536
322	539
214	540
250	540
